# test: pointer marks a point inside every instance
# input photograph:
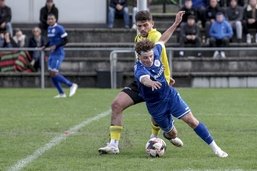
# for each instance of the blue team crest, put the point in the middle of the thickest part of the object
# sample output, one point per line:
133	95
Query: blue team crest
157	63
53	30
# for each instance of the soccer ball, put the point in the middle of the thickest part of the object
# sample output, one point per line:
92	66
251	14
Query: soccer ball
155	147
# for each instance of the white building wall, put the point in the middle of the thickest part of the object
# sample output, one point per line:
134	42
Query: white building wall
70	11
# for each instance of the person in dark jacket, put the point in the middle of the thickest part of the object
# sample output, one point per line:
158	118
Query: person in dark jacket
37	40
250	20
189	11
190	35
49	8
234	14
5	18
118	7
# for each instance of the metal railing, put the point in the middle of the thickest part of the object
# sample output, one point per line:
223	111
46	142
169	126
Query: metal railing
170	53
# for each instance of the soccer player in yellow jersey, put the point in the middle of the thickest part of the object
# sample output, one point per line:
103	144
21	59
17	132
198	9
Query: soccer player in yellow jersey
130	94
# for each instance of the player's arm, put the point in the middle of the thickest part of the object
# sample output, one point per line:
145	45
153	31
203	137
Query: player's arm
146	81
167	34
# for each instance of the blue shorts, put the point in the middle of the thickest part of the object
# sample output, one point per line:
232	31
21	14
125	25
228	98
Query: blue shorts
54	62
163	111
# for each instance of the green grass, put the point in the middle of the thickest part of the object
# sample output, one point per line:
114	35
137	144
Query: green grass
30	118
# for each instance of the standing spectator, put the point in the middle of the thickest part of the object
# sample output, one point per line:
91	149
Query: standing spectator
210	15
5	18
49	8
119	7
36	41
241	3
19	38
188	11
250	20
234	14
220	34
190	35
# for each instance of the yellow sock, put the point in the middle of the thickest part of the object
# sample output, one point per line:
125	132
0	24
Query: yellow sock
115	132
155	130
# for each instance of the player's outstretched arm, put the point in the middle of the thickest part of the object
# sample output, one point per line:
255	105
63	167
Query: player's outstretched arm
150	83
167	34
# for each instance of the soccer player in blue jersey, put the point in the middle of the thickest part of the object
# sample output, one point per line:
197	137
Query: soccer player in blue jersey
57	38
162	100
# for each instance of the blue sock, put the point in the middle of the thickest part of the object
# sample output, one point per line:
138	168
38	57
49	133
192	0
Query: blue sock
61	79
202	131
57	85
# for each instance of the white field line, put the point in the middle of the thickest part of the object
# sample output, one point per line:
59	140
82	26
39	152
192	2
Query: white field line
55	141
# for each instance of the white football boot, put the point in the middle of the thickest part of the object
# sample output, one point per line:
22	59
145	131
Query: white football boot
60	96
73	89
109	149
220	153
175	141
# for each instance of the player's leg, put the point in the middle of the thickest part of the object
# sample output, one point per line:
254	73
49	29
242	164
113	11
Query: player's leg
202	131
182	111
162	117
155	128
123	100
56	62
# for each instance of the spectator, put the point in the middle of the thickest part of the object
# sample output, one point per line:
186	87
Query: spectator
36	41
190	35
250	20
49	8
234	14
19	38
118	7
241	3
188	11
6	40
210	15
200	6
220	34
5	18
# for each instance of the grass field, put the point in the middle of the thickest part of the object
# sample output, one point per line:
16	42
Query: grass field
31	118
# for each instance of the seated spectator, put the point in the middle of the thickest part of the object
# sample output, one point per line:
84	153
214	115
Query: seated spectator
36	41
135	10
210	15
234	14
190	35
250	20
118	7
220	34
200	6
5	18
188	11
241	3
49	8
19	38
6	40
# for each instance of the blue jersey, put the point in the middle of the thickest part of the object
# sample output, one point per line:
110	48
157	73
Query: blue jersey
55	35
156	73
162	103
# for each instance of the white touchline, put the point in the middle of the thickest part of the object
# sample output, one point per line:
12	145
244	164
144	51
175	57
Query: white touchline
55	141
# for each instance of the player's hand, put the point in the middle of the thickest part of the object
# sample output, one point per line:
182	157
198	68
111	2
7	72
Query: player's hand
172	81
179	17
155	85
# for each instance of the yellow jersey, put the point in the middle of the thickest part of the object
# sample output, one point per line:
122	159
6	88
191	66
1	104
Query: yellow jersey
154	36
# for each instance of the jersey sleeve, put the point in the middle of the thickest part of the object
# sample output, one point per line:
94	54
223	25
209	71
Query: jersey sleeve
158	49
62	32
140	72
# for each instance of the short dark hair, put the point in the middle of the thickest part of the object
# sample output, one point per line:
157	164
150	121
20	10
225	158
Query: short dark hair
144	45
51	14
143	15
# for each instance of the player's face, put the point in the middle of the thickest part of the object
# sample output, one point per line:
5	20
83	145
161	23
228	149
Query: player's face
146	58
144	27
51	20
